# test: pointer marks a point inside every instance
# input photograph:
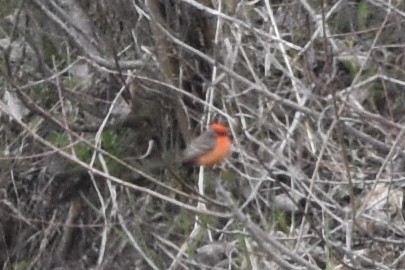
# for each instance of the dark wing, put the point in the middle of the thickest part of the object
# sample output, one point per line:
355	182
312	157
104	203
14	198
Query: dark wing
200	145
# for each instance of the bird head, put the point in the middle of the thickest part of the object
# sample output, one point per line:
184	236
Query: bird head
220	129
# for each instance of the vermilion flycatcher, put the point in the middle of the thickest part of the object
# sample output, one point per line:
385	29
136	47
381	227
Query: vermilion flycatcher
210	148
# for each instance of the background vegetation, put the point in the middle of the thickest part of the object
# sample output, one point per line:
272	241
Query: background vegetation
98	99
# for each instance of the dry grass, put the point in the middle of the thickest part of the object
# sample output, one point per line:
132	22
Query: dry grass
100	98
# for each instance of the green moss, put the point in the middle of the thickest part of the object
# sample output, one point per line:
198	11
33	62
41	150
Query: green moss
42	93
363	14
210	182
84	152
377	93
71	82
19	266
228	175
241	242
59	139
352	67
329	262
5	162
111	142
186	223
281	220
195	244
7	7
205	219
49	50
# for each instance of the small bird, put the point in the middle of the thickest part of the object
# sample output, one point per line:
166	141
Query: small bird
210	148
